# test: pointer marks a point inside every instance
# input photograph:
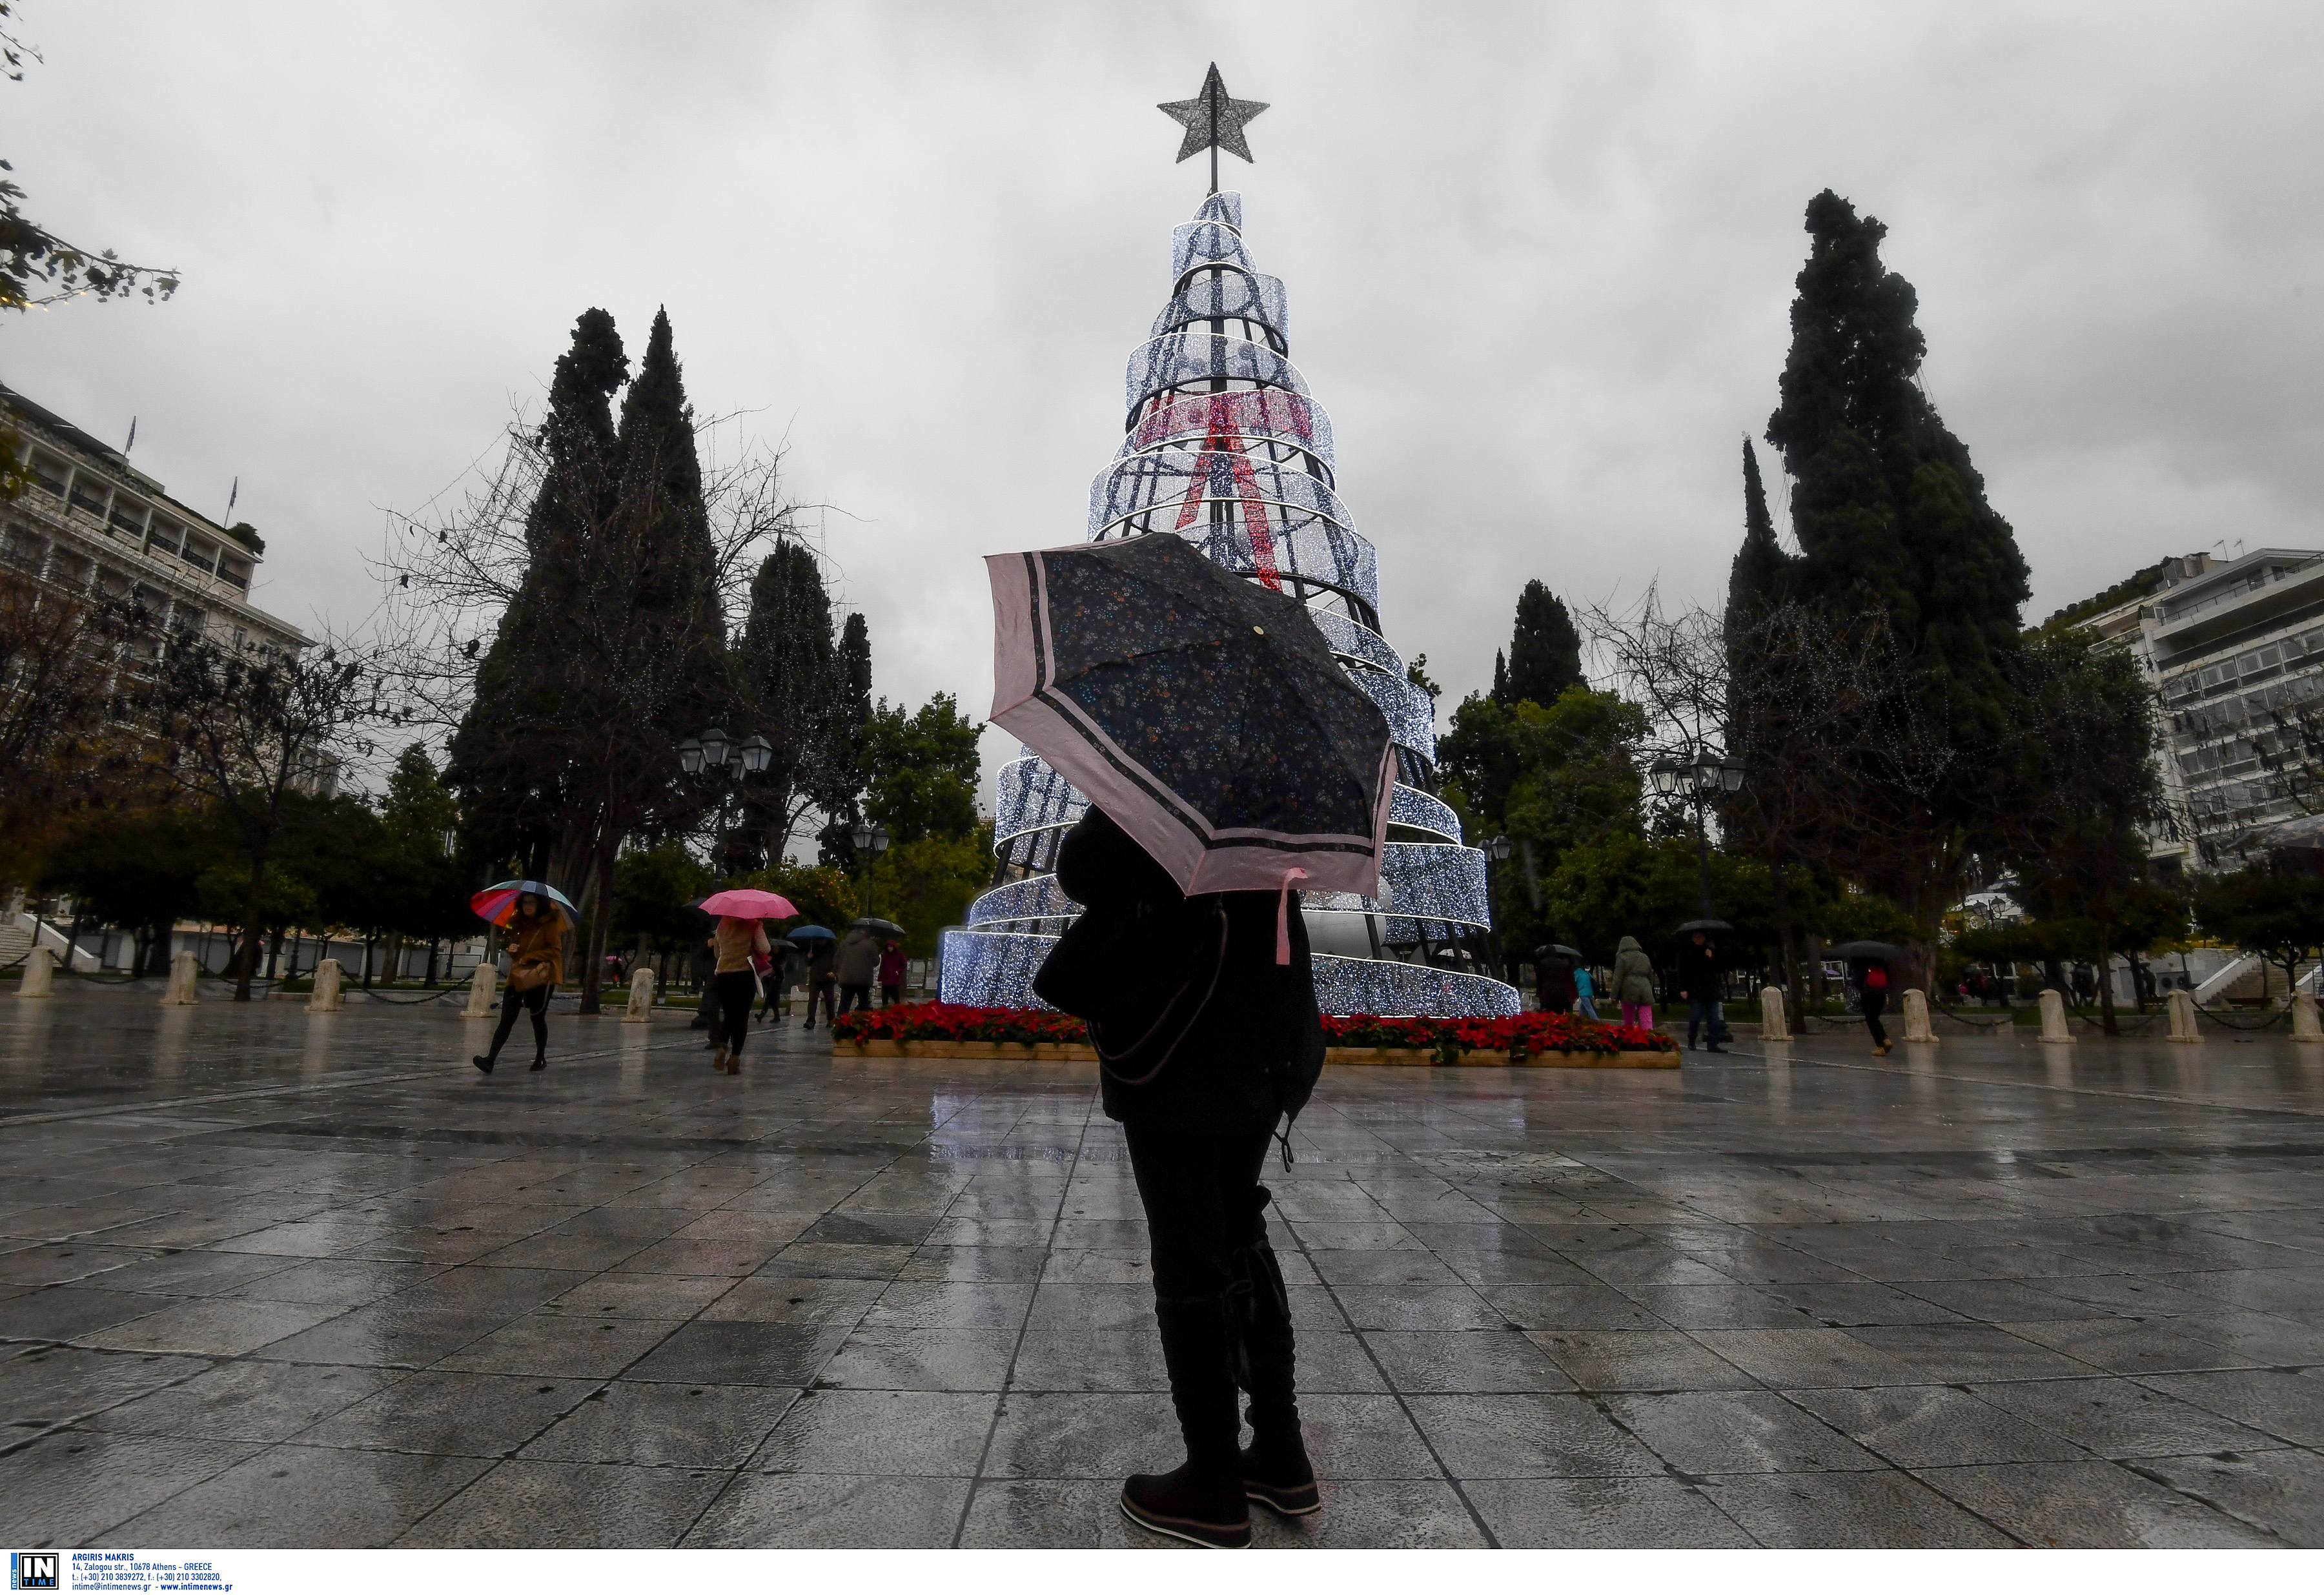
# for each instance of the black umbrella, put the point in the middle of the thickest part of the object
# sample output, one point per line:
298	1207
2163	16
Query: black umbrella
1885	952
886	927
1694	925
1561	949
1203	712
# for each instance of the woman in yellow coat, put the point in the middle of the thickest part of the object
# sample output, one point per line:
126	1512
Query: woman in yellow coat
536	949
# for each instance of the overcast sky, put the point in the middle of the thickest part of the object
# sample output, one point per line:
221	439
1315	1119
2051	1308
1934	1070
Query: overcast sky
1539	257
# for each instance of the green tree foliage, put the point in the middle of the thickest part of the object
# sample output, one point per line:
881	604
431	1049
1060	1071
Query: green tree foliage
1759	577
1626	883
842	794
1891	517
651	886
510	757
789	666
823	894
137	867
921	770
1544	656
2085	789
418	820
925	885
2277	913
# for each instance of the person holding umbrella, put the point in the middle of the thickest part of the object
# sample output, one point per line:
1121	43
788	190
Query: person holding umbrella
1698	976
1554	989
533	916
858	966
1227	758
1868	970
742	937
822	983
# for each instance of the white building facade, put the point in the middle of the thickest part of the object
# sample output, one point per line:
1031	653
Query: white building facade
92	524
2233	648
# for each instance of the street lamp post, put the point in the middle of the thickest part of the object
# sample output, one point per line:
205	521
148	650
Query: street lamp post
1496	850
870	841
715	754
1697	783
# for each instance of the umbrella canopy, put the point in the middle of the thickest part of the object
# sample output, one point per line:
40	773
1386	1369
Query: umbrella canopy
1203	712
1694	925
1559	948
744	902
887	927
809	933
1884	950
497	904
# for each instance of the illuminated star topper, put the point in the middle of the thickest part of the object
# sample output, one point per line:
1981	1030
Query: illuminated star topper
1214	122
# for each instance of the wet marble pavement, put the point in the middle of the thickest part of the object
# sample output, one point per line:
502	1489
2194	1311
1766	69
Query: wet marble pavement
269	1278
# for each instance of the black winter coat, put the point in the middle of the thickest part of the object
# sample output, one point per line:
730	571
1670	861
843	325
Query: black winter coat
1698	971
1255	1053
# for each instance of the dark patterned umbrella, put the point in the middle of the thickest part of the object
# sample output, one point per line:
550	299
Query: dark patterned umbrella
1204	713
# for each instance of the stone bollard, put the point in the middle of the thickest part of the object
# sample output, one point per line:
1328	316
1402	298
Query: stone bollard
185	969
326	997
641	995
2181	1006
2304	1027
1775	1024
1916	1015
481	990
40	974
2053	1019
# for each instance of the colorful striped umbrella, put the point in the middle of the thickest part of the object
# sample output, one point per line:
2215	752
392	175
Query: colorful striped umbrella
498	903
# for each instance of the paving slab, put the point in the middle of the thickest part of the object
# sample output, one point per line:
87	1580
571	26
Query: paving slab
278	1280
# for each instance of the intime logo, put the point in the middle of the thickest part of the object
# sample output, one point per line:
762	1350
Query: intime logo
32	1570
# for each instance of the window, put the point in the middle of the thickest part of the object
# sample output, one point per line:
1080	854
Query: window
165	535
199	553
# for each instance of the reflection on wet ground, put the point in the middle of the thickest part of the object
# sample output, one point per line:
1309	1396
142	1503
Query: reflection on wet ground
269	1278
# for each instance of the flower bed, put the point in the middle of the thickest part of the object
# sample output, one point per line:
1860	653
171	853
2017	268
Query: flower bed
953	1021
928	1028
1518	1037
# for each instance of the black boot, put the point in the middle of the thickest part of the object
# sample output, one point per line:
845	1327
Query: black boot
1201	1502
1275	1471
482	1063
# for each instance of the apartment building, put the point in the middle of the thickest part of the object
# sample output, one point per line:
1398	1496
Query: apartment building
2234	647
90	523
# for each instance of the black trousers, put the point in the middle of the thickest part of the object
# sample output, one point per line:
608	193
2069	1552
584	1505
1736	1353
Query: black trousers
852	997
1201	1200
514	1002
1874	1001
825	993
731	1026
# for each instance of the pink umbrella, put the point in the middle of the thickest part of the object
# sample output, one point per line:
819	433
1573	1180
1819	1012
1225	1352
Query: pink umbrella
744	902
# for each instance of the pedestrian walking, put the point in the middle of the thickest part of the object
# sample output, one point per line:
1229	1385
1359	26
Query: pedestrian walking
1634	983
858	967
1554	989
1205	1015
1869	976
821	986
791	967
1584	997
1699	984
536	950
739	941
891	975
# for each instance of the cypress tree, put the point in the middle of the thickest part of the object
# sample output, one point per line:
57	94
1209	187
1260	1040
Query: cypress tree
1759	577
1892	523
1501	677
788	670
677	569
1888	510
1546	652
509	759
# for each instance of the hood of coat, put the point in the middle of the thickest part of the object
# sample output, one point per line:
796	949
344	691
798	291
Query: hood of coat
1629	944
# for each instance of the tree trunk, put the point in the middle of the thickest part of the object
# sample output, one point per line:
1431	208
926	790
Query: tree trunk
434	942
593	976
247	965
1789	964
367	979
2106	980
394	956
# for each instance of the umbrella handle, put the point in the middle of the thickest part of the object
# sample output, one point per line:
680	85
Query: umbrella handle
1283	915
